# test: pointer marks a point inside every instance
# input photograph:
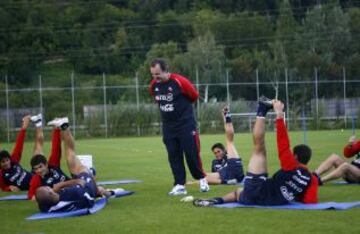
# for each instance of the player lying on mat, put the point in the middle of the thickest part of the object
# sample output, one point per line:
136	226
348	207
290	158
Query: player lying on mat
293	182
13	177
76	193
227	167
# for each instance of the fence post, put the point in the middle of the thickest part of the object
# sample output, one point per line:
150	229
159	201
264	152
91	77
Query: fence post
73	103
105	107
227	87
257	83
344	84
316	98
287	96
40	94
7	108
137	99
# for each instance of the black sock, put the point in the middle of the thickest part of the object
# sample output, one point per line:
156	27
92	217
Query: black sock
64	126
318	178
218	200
228	117
262	110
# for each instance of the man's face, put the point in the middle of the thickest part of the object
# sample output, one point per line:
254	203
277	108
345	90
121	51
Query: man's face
158	74
5	163
219	153
41	169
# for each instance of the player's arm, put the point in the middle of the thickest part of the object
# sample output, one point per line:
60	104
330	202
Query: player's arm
4	187
57	187
34	184
186	87
55	156
286	157
19	145
352	148
311	193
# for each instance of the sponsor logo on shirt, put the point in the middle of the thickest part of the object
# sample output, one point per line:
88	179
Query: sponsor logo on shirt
167	108
286	194
168	97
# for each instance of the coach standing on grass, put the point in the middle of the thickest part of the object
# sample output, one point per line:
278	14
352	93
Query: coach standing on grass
175	95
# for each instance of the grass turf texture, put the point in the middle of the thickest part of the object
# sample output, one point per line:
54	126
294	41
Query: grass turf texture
151	210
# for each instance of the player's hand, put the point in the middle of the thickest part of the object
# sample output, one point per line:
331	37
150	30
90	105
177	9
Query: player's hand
14	188
26	121
278	108
81	182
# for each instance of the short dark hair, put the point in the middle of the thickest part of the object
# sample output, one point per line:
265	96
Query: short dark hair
163	65
4	154
303	153
37	159
218	145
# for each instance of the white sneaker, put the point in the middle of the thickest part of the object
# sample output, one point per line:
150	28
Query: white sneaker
178	190
115	192
204	186
57	122
37	120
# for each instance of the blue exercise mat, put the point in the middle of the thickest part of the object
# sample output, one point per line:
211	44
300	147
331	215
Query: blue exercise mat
298	206
14	198
112	182
343	182
99	204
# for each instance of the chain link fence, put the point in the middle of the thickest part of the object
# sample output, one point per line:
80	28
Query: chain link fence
111	106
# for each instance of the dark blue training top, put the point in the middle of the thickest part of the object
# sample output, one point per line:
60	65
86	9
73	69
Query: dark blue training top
175	97
17	176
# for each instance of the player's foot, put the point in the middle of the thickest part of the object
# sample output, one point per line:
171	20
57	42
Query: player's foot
264	105
178	190
115	192
37	120
204	186
227	114
204	202
62	123
318	178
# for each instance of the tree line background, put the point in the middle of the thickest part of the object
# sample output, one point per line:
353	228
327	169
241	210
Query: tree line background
209	39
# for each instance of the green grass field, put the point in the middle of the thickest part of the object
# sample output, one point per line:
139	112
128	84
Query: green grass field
151	210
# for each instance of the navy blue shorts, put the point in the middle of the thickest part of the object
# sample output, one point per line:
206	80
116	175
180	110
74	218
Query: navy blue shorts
233	170
256	189
90	185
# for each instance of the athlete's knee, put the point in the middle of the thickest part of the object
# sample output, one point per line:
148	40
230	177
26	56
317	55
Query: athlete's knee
237	193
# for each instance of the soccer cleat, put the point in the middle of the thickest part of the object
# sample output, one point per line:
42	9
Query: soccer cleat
37	120
178	190
204	186
204	202
59	122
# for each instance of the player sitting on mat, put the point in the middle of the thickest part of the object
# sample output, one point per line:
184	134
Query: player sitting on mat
231	172
13	177
293	182
339	168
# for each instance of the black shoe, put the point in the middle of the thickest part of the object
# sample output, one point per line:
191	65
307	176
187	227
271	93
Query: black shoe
264	105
